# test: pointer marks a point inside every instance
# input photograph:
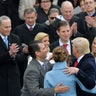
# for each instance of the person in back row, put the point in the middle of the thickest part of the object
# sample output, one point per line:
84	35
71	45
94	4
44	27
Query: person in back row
27	32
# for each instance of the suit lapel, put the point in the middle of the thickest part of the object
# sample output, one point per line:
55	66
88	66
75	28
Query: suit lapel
2	43
42	71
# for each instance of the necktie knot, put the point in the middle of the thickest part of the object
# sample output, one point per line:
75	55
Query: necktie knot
30	28
44	66
65	46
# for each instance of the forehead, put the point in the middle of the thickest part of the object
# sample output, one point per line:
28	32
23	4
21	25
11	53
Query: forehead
65	27
89	0
41	45
45	0
5	22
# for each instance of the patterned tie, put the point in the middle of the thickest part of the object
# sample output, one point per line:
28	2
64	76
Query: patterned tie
75	64
6	42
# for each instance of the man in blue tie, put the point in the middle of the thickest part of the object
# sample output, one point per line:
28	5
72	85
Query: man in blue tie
9	58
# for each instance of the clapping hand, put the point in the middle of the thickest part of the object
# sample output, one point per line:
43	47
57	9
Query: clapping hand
14	48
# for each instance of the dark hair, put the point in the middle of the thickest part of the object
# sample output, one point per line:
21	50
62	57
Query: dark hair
39	1
61	24
33	46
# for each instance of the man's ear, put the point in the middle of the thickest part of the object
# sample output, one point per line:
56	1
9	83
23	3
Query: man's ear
36	53
57	32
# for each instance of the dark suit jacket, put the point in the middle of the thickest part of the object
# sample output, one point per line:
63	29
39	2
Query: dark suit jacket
9	72
25	35
87	32
56	43
86	74
34	79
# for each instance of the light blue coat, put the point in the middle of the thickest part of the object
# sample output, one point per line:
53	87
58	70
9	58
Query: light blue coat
57	75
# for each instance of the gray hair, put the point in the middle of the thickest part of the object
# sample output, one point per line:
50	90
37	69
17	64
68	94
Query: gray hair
66	3
3	18
29	10
54	10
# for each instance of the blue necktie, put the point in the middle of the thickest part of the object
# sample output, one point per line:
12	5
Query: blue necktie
6	42
44	66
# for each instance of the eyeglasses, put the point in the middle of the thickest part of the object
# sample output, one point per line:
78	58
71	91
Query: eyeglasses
52	17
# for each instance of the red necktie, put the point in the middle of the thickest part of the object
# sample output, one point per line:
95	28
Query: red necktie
65	46
30	28
75	3
75	64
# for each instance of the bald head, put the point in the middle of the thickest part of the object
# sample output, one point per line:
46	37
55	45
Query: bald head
66	4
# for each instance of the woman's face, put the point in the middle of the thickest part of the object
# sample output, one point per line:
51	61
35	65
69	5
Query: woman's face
82	5
94	46
45	4
46	42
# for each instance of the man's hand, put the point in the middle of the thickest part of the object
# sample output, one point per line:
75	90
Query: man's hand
74	28
14	48
71	70
59	88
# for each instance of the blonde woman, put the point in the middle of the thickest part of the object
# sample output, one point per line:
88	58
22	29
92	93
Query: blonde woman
44	37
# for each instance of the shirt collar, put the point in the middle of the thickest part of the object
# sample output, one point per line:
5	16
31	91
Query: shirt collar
41	63
3	36
91	14
80	58
61	43
32	26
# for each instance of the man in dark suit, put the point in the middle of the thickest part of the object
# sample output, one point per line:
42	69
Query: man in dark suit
64	33
67	15
27	32
35	72
84	67
10	57
87	27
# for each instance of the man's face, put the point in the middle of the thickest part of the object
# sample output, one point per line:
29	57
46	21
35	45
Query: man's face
45	4
64	33
30	19
43	51
90	5
67	12
5	27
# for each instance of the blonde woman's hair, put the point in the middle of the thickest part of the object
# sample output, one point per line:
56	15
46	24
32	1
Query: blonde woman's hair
60	54
82	45
40	36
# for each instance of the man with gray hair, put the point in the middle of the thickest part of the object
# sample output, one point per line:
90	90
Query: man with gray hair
10	58
84	67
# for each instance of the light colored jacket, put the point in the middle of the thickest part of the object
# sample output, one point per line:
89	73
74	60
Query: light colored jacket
57	75
23	4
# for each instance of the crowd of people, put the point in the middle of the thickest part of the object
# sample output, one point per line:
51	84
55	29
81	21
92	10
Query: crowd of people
47	49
